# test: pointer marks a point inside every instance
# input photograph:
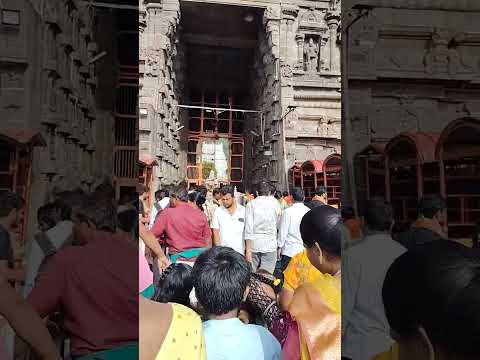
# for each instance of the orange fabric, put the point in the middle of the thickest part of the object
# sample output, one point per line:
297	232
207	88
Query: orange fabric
354	226
316	309
300	271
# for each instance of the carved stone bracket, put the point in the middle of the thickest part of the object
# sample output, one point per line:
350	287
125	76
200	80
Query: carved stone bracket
290	12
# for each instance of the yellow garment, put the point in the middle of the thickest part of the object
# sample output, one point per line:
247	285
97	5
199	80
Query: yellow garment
184	339
300	271
316	308
392	354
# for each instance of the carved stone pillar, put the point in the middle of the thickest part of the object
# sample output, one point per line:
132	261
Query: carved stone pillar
289	15
300	38
325	60
333	20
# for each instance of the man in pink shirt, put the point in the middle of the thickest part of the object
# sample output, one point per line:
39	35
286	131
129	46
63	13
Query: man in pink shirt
185	228
93	285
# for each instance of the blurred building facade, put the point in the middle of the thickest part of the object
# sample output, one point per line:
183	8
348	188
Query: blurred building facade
58	75
412	83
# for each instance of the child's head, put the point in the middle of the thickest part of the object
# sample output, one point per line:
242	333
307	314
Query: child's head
221	276
175	285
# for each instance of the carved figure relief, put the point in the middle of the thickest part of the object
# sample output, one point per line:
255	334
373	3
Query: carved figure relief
311	54
443	55
286	70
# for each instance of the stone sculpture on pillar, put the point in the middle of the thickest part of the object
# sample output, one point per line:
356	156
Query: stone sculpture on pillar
311	51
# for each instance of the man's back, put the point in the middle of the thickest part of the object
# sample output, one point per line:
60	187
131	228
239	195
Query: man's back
186	228
365	330
262	217
233	340
97	292
314	204
416	237
266	211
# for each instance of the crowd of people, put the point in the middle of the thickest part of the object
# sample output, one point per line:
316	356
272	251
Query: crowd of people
80	298
257	273
227	274
272	276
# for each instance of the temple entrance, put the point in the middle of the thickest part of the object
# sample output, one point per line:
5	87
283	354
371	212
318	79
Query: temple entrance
218	97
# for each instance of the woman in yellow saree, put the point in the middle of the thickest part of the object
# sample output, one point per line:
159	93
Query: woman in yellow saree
316	307
169	331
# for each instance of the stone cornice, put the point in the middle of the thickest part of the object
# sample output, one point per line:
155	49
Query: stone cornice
464	5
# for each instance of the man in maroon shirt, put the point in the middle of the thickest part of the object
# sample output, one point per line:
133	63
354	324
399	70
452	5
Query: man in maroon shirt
93	285
185	228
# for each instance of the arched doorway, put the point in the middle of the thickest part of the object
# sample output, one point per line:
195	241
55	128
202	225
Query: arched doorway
458	152
295	176
369	167
411	171
311	177
332	178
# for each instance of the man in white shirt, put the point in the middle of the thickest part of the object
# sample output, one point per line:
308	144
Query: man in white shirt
290	241
262	217
162	201
228	222
365	329
49	240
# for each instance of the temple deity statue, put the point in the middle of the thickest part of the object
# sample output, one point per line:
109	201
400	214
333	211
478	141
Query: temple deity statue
311	56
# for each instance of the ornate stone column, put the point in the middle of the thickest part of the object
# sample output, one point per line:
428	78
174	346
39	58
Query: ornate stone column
289	15
325	57
333	21
300	38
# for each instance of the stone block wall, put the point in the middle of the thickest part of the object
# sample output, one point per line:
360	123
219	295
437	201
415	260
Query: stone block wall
160	59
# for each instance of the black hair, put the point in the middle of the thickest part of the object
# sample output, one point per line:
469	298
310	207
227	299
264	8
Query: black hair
220	278
277	195
46	216
285	193
227	190
202	189
216	192
430	205
106	190
162	193
127	220
64	208
321	225
436	286
320	191
10	201
175	285
298	195
180	193
264	189
197	198
379	215
101	212
348	213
